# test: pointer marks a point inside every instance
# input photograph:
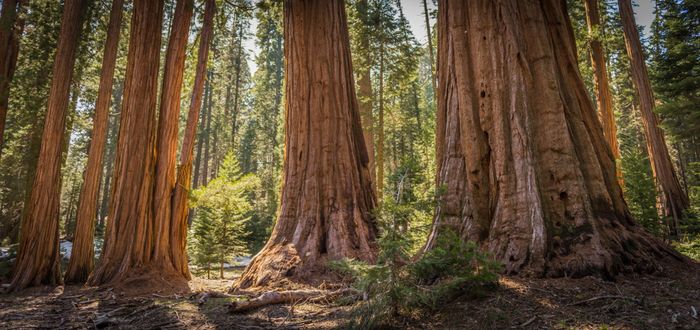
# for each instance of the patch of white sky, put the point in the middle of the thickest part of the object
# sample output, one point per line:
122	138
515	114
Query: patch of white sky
413	10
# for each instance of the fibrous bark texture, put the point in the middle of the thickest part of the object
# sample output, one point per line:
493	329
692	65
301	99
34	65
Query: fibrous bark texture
170	236
11	27
326	196
180	210
83	254
600	80
675	199
38	260
129	237
528	172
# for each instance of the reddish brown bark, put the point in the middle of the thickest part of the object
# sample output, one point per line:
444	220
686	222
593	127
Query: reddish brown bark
529	176
129	237
83	254
166	253
675	199
365	100
326	195
602	88
38	260
11	27
180	208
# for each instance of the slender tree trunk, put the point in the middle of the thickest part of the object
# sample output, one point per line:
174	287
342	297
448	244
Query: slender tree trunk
380	129
200	143
675	199
11	28
430	46
205	166
166	253
180	214
82	256
237	90
38	260
600	80
326	195
365	101
529	176
129	238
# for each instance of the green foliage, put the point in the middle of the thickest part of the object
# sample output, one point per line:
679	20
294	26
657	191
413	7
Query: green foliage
219	232
690	246
395	283
641	191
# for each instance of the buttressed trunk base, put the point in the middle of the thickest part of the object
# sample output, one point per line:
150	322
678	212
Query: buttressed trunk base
326	195
528	171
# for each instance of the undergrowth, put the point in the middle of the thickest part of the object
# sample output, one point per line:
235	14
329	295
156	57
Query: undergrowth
396	284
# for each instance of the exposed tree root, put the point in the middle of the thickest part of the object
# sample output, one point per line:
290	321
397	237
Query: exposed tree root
278	297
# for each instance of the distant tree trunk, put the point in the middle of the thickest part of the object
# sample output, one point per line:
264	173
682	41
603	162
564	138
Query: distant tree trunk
205	165
529	176
600	80
237	90
129	238
200	143
430	46
38	260
82	256
180	214
675	199
166	253
380	129
326	194
365	101
11	28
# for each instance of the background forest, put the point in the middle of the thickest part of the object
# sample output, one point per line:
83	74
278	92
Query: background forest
239	146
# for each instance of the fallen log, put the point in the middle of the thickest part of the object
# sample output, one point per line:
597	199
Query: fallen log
275	297
278	297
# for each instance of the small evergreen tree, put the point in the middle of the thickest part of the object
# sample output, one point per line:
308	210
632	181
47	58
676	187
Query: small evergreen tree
219	234
640	191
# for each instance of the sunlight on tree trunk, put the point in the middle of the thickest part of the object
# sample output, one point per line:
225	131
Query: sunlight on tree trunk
83	253
528	172
38	260
326	194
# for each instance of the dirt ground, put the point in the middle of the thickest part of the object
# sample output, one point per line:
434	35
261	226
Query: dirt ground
664	301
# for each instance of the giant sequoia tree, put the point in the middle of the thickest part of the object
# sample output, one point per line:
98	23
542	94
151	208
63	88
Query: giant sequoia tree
129	237
529	175
83	254
326	195
37	259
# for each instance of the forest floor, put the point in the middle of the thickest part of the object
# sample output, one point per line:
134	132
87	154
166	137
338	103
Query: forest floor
632	302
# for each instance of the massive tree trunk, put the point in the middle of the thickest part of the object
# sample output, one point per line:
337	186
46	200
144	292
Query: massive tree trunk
326	195
675	199
600	80
11	27
528	172
83	254
166	253
129	237
180	209
38	260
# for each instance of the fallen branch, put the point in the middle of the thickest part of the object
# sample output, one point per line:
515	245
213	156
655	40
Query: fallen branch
603	297
275	297
214	294
528	322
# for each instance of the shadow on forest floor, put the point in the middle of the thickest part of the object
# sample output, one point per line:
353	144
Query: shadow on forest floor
633	302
